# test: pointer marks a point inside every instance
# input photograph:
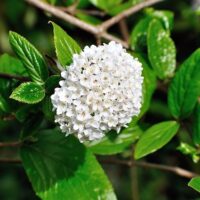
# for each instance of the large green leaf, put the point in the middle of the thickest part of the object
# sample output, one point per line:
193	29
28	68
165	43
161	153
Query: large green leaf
161	50
185	87
11	65
61	168
30	56
195	183
114	143
65	46
28	93
196	125
155	137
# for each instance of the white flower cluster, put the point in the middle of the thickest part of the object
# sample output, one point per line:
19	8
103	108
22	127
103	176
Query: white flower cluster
101	90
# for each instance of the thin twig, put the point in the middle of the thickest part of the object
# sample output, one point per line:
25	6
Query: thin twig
110	22
10	76
174	169
8	117
9	160
10	144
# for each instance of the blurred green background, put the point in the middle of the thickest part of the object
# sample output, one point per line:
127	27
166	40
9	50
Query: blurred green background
152	184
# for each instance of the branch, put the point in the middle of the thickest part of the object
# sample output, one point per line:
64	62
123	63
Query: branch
10	144
110	22
174	169
9	76
96	30
8	160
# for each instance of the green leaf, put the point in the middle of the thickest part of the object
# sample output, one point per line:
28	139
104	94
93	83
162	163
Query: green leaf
114	143
88	18
165	16
65	46
28	92
195	183
30	56
161	50
185	87
60	167
155	138
11	65
139	34
149	85
196	125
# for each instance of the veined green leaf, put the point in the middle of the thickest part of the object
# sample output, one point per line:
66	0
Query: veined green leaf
65	46
155	137
30	56
185	87
161	50
28	92
62	168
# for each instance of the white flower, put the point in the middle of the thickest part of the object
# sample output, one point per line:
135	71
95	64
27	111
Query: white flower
101	91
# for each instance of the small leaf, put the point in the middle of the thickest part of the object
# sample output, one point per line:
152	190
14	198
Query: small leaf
187	149
161	50
155	137
195	183
65	46
30	56
114	143
185	87
62	168
196	125
28	93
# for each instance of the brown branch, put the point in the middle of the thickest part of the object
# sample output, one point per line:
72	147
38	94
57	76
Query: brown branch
174	169
9	160
110	22
10	76
96	30
10	144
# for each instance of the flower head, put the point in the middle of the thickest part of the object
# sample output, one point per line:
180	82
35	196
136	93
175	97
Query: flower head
101	91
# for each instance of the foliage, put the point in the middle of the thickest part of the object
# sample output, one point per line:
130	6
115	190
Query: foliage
60	167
